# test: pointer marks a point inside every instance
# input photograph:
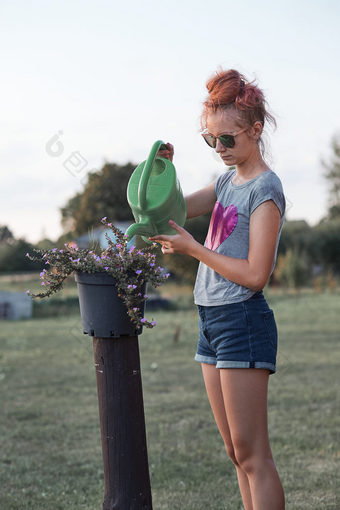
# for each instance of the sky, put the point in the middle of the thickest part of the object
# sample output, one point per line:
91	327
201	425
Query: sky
89	82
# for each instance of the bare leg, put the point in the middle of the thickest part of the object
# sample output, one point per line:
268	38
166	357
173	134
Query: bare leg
212	382
245	399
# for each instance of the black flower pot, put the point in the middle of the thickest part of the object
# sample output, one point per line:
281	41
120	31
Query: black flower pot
103	313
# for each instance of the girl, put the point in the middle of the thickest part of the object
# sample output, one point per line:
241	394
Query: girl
237	331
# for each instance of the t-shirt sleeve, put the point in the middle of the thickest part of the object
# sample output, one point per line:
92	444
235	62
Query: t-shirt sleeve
270	190
218	184
221	181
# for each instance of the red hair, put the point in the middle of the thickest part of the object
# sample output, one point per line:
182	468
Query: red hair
230	89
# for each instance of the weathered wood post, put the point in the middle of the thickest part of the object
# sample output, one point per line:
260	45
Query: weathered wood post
120	395
122	424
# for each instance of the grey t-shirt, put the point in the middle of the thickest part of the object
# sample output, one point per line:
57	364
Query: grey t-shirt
229	232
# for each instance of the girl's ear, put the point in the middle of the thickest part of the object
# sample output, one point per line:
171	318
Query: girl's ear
257	129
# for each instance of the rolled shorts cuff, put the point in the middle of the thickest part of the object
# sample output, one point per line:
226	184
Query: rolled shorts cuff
246	364
205	359
235	364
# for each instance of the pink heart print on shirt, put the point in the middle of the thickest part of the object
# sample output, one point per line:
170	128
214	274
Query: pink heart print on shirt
222	223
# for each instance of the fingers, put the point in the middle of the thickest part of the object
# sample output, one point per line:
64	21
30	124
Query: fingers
163	238
167	153
160	238
174	225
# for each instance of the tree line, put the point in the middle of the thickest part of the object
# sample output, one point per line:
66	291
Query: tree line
306	254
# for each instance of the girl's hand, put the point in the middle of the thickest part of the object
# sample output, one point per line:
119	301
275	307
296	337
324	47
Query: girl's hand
179	243
167	153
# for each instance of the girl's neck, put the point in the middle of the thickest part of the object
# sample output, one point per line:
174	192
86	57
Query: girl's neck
250	168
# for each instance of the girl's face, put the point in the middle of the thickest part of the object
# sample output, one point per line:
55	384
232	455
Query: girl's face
227	122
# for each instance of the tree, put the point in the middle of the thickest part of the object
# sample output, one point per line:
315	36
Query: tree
69	211
297	235
6	235
104	195
326	244
332	174
12	257
292	269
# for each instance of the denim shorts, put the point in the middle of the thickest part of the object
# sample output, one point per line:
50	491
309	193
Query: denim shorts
238	335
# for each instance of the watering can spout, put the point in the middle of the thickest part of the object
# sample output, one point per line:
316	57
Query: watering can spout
140	229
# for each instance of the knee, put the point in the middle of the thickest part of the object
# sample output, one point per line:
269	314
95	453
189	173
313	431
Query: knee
247	462
245	457
231	453
251	461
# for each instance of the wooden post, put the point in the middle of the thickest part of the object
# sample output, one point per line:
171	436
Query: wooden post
122	424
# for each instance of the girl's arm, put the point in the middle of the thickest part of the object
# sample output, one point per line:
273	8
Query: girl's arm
252	272
201	202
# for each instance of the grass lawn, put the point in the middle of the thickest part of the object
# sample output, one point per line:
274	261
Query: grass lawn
49	430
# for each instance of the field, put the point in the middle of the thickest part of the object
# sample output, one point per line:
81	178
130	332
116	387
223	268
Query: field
49	430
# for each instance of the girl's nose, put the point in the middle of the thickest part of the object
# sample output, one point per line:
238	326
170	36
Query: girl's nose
219	146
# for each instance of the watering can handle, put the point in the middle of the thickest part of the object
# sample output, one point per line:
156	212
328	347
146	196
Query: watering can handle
147	171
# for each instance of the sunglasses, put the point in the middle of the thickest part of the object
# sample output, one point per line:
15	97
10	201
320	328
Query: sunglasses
226	140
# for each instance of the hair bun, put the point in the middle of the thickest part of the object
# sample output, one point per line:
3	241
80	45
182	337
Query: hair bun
230	89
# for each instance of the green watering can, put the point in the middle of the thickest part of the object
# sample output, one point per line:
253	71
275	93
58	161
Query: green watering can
155	197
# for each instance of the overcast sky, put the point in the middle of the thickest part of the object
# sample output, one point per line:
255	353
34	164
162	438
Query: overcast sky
84	82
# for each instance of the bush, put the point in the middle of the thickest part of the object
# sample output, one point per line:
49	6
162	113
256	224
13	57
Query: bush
326	244
293	269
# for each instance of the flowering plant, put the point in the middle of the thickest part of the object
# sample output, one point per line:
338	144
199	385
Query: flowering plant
130	267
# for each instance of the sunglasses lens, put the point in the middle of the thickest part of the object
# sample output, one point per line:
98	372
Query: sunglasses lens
227	140
211	140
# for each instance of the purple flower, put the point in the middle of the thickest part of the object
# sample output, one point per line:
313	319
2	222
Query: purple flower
153	323
145	296
43	272
28	291
131	249
143	320
135	309
104	219
152	264
54	250
27	254
118	245
139	271
106	267
61	251
132	287
109	224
